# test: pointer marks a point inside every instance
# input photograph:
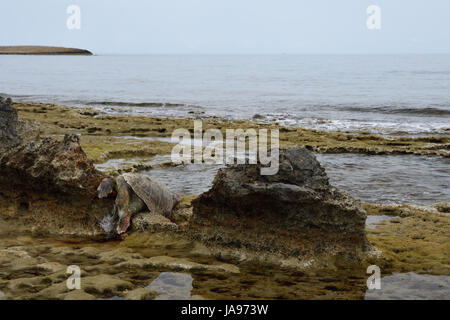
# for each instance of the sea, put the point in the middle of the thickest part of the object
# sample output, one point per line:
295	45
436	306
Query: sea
384	94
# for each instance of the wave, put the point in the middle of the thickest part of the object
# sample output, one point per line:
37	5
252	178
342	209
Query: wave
428	111
18	96
133	104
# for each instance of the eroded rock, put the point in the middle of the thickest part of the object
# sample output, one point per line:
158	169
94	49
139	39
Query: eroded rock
51	166
295	212
51	185
8	125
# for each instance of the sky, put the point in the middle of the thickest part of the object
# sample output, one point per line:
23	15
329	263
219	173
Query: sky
230	26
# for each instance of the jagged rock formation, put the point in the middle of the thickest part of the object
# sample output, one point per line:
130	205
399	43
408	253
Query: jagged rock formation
8	125
50	166
50	185
295	212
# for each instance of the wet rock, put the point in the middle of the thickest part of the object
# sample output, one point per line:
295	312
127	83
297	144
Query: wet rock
295	212
404	242
152	222
28	283
175	263
196	112
141	294
185	264
118	255
8	125
104	284
442	207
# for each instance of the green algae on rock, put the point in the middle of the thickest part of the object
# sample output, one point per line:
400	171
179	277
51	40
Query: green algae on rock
417	241
109	139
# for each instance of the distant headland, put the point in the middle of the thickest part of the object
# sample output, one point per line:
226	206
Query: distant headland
43	50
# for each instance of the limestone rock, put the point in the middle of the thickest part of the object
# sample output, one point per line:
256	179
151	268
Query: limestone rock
52	185
51	166
295	212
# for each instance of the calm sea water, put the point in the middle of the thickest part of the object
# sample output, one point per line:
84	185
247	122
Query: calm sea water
371	179
386	94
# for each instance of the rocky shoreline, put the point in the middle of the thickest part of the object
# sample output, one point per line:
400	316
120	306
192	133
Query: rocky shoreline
48	176
293	220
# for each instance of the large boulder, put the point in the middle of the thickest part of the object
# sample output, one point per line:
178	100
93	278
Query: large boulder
295	212
50	166
52	186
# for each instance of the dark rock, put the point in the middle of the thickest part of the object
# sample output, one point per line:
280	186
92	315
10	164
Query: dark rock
257	116
8	125
295	212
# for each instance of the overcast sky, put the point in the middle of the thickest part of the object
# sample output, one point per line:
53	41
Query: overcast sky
230	26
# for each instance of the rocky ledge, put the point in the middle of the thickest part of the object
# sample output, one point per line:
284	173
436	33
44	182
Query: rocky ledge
51	185
295	212
48	184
